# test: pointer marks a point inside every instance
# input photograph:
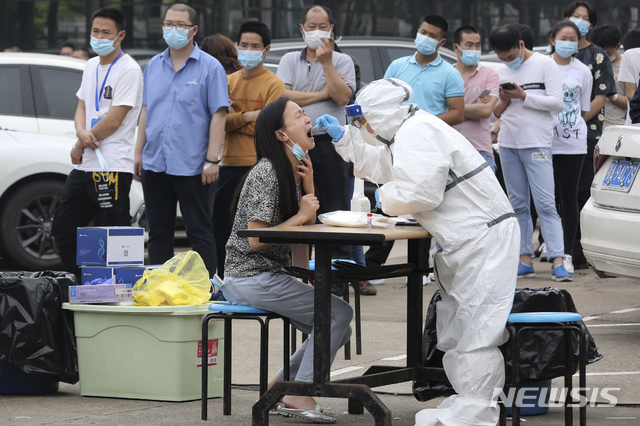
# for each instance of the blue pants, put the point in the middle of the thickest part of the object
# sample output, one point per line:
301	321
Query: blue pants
490	160
528	172
162	192
293	299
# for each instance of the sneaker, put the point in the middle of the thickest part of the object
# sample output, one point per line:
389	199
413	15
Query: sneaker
367	289
525	271
543	253
568	264
377	282
560	274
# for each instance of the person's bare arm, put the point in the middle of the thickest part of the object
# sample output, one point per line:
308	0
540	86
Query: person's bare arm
338	90
305	98
482	108
455	115
140	143
216	139
596	105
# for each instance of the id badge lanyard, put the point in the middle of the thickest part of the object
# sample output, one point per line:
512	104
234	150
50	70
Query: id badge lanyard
96	120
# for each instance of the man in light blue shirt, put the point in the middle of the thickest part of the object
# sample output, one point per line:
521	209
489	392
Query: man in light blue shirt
180	135
438	87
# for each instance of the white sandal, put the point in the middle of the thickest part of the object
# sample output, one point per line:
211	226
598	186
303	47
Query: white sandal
317	415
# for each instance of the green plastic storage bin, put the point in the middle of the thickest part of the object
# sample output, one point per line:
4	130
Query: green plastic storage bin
145	352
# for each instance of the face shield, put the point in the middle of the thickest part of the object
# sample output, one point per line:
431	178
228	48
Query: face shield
354	115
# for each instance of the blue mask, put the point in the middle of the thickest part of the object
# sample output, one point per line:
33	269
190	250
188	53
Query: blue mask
516	62
566	48
470	57
426	45
295	148
175	39
582	25
102	46
250	58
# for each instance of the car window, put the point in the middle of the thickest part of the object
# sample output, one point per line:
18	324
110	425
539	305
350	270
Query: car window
59	87
10	91
394	53
364	55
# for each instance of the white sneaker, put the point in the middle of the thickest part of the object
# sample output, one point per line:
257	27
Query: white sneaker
376	282
543	253
568	263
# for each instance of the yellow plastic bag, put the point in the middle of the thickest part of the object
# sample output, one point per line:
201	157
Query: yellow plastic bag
182	280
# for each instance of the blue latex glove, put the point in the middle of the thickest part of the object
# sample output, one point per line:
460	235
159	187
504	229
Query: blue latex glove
332	125
377	194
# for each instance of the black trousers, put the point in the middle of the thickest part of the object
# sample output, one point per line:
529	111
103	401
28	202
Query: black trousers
87	197
331	179
228	182
162	192
566	172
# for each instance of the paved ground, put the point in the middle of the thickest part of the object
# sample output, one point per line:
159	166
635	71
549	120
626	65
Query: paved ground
610	307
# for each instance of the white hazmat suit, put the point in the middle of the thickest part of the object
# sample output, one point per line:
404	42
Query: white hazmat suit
432	172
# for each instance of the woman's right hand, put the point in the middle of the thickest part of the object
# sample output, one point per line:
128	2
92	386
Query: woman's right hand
309	204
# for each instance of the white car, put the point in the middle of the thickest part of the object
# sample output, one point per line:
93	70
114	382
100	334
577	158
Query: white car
610	221
38	92
37	107
33	169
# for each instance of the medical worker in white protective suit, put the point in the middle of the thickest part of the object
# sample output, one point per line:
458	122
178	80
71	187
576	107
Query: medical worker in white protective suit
432	172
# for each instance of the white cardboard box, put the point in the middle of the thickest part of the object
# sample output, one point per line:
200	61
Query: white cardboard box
110	246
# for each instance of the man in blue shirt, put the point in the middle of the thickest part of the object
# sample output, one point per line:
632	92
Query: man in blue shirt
438	87
180	135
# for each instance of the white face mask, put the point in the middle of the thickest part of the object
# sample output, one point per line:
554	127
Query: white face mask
313	39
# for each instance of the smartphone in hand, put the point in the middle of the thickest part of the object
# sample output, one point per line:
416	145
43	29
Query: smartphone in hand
508	86
485	92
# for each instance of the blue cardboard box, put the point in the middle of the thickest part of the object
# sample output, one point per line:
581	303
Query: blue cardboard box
110	246
90	273
130	274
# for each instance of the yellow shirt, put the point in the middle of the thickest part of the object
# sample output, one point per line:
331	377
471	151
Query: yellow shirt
247	94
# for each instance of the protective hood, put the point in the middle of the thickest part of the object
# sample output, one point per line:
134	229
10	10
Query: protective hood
384	105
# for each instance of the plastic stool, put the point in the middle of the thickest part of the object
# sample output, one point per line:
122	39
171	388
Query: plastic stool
345	297
229	312
552	321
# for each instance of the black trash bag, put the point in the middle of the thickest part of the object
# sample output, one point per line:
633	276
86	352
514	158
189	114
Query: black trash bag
539	358
36	334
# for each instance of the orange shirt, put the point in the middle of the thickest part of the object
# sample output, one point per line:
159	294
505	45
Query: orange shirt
247	94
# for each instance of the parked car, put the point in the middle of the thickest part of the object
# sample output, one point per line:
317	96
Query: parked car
610	221
374	54
33	169
37	108
38	92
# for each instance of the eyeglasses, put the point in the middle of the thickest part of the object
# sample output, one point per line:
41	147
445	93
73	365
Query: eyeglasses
168	26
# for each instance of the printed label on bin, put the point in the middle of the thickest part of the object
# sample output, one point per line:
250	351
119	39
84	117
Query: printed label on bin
212	353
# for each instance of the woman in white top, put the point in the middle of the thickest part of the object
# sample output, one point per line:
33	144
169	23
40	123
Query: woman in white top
569	145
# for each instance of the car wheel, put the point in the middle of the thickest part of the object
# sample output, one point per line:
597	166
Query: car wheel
26	221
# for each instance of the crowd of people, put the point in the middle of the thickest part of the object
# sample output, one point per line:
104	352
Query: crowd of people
278	150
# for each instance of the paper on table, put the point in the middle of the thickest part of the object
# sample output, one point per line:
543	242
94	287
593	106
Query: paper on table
354	219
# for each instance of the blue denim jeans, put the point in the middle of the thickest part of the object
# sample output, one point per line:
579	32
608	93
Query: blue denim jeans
490	160
529	172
